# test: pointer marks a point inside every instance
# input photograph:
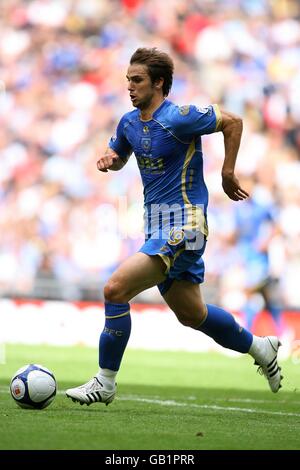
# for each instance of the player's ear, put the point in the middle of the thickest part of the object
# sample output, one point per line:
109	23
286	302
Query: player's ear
159	83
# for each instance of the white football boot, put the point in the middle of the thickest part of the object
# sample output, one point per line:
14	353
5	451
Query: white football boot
91	392
268	365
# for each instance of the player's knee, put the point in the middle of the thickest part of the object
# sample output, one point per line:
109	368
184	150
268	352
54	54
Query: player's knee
186	321
192	319
114	292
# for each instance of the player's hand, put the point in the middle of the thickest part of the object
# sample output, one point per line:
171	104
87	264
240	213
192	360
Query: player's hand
108	160
232	188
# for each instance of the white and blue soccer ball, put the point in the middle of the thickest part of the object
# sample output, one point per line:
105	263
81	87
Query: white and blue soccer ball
33	386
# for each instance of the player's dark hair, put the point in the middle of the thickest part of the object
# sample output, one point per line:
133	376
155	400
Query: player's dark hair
159	64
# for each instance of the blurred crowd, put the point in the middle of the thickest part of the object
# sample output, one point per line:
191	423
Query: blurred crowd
64	226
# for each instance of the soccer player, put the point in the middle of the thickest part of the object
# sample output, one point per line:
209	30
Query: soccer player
166	141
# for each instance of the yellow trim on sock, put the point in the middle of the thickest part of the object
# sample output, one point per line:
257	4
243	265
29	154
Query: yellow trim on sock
118	316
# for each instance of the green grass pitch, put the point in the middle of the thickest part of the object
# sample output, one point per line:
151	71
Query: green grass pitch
165	401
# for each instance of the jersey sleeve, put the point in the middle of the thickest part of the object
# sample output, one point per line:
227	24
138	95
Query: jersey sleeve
119	142
191	121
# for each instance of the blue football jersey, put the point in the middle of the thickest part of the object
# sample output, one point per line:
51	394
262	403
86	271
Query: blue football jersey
168	151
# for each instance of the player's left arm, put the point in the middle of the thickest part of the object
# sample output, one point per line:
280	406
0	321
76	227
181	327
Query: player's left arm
190	121
231	126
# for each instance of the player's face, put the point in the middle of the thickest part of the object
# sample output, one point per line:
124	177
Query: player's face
141	90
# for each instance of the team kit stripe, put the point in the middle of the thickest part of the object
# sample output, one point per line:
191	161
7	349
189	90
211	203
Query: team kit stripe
218	117
195	216
117	316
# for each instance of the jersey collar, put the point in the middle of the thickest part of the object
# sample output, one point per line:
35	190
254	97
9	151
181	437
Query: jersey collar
157	111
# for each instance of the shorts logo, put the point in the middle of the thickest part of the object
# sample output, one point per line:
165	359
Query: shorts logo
176	236
184	110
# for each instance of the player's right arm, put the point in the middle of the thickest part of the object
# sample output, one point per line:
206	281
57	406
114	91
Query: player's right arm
110	161
118	151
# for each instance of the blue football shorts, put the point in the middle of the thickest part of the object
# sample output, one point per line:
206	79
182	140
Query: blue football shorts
182	260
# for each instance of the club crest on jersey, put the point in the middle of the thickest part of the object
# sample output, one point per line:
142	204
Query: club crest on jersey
176	236
146	143
184	110
145	129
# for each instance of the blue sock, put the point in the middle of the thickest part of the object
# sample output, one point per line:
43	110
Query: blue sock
222	327
115	335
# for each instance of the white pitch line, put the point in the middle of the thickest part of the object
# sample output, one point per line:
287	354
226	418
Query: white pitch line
232	400
254	400
248	400
206	407
192	405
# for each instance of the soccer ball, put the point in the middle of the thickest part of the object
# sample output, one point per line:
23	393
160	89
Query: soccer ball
33	386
